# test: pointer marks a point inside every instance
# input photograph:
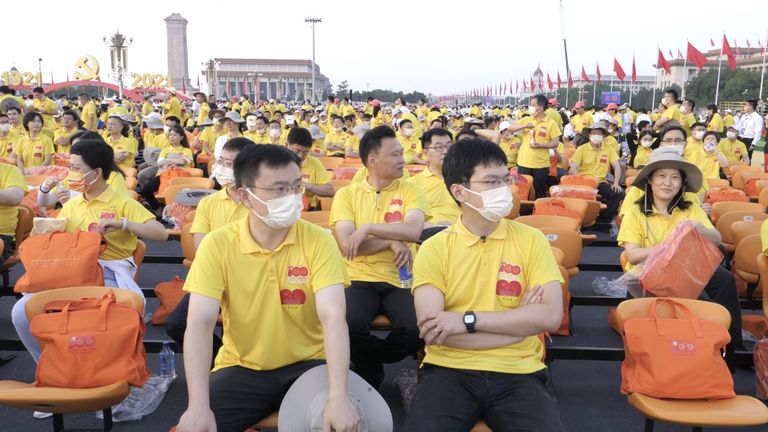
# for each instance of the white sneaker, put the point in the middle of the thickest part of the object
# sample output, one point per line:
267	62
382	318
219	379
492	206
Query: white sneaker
41	415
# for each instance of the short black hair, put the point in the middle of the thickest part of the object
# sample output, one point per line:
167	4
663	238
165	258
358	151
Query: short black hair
250	160
712	107
28	117
371	141
541	100
402	122
697	124
237	144
300	136
72	114
752	103
466	155
179	130
85	134
426	139
96	154
38	90
173	119
673	92
262	118
713	133
13	108
691	102
670	128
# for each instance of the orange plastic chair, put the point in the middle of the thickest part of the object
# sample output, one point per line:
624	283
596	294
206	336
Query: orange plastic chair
629	180
697	413
59	401
725	221
325	203
762	270
569	242
138	257
192	182
187	241
762	198
735	167
720	208
339	183
531	195
745	258
550	221
194	172
330	163
741	229
742	175
321	218
718	183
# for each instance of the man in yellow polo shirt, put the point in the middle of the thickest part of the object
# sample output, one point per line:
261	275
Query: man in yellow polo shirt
672	113
411	145
540	138
172	106
553	113
213	212
12	191
733	149
582	119
282	317
484	289
376	224
596	160
88	113
444	209
203	109
9	139
317	183
45	106
687	118
69	126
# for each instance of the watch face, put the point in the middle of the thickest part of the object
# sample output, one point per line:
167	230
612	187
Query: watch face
469	319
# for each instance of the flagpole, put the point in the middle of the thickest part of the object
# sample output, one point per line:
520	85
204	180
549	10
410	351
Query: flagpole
719	66
685	74
762	69
594	90
565	48
655	84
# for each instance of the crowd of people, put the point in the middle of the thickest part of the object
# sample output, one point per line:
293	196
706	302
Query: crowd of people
419	235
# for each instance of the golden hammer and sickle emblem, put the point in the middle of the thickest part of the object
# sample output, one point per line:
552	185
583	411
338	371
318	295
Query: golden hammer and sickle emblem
88	69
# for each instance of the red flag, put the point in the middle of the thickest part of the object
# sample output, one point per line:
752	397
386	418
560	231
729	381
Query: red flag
533	87
670	54
634	71
748	45
618	70
663	63
549	82
517	86
729	53
679	53
597	72
696	56
525	86
559	81
711	42
570	79
584	75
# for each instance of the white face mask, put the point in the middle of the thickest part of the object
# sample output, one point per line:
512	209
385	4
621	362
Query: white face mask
698	135
531	111
338	129
497	203
216	121
408	132
274	133
225	176
166	128
731	135
281	212
596	139
646	143
709	147
251	123
679	148
5	127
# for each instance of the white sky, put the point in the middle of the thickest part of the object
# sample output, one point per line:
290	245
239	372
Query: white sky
438	48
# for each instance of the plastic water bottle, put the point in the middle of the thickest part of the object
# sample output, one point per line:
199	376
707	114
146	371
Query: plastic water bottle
406	278
167	361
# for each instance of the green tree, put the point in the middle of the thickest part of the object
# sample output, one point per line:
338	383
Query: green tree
738	85
342	87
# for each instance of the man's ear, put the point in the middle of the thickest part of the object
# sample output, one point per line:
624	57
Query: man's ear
457	192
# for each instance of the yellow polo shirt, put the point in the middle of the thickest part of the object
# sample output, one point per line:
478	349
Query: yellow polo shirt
156	141
543	131
202	113
441	203
256	137
268	312
728	120
764	236
353	142
63	132
362	174
733	151
594	162
9	143
642	156
581	121
116	181
411	147
313	172
10	176
673	113
634	193
611	142
173	108
335	138
89	111
361	203
490	275
692	148
125	144
46	104
34	151
709	165
215	211
649	231
147	108
85	215
716	124
183	151
555	116
687	121
511	148
209	135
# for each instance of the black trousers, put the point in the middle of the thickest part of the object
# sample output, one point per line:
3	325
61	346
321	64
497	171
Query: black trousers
455	399
747	142
721	289
366	300
612	200
9	247
176	326
148	192
540	179
242	397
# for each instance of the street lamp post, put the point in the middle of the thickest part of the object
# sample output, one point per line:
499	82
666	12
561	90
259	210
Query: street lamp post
40	72
118	47
211	67
313	21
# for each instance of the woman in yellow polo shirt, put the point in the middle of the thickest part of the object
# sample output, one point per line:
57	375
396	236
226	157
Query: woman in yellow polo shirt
117	217
35	148
653	217
644	149
177	154
118	137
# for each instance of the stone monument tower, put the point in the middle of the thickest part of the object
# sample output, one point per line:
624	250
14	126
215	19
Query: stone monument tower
178	62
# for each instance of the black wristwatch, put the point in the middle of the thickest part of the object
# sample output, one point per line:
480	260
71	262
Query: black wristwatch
469	321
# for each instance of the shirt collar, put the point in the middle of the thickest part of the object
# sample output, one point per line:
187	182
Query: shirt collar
392	186
470	238
105	196
224	196
248	245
